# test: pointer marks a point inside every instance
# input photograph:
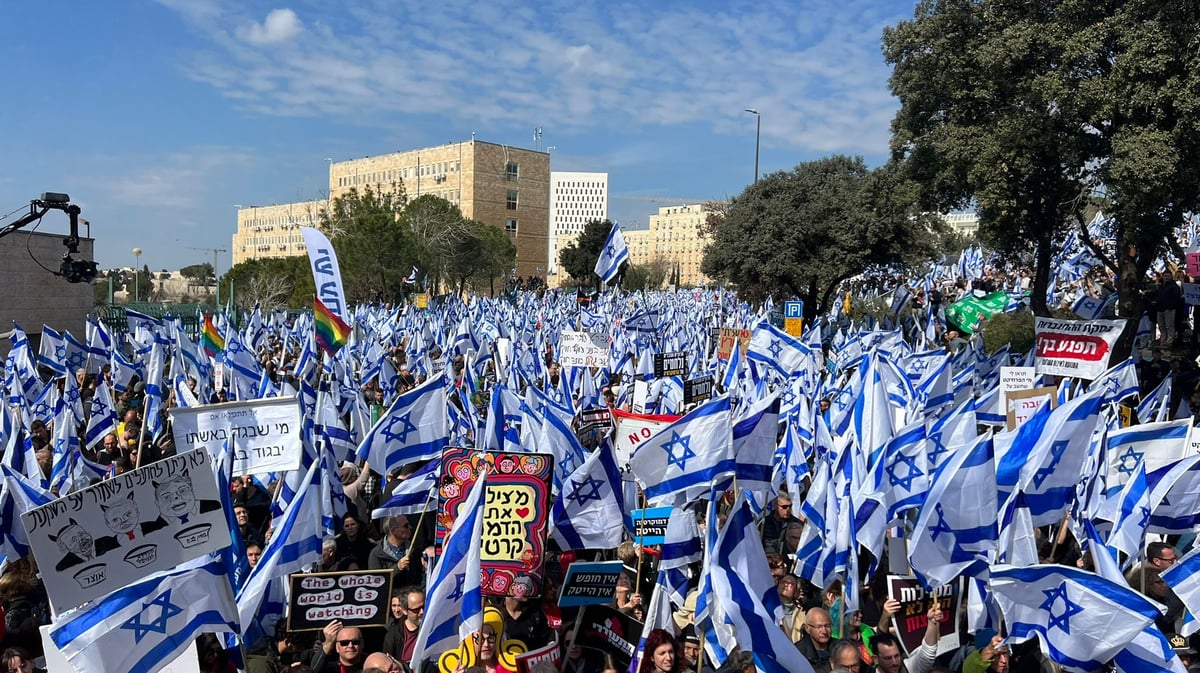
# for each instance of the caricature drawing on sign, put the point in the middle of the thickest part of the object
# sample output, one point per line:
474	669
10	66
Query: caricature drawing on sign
177	503
75	543
121	516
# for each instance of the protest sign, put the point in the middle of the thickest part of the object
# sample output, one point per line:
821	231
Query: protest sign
355	598
1193	263
576	349
967	313
727	337
1078	348
549	654
650	525
670	364
590	583
595	417
327	276
264	434
632	430
698	389
1023	404
1014	378
607	630
1191	293
103	537
641	395
218	376
515	511
910	622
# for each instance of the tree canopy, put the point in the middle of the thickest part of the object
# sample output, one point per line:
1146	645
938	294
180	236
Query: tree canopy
579	258
807	230
375	251
275	282
1028	110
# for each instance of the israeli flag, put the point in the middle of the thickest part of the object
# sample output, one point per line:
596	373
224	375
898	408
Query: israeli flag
415	427
742	585
413	495
612	256
143	627
1091	308
591	512
683	460
1081	619
17	496
1184	580
455	599
754	436
104	416
52	353
681	548
1117	382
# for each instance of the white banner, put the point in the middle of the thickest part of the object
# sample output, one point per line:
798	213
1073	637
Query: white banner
326	274
1077	348
264	434
1014	378
99	539
631	431
577	349
1191	294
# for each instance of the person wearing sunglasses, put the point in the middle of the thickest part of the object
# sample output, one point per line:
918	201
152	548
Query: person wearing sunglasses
777	522
342	651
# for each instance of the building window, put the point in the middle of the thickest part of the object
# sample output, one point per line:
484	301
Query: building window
510	228
511	171
511	201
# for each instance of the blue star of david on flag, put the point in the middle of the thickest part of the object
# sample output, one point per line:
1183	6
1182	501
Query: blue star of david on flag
167	610
911	472
60	353
776	348
459	580
940	526
77	360
1129	460
1057	449
681	459
579	496
392	435
1061	620
935	455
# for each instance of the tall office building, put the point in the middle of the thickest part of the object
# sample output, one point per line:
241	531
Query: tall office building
676	235
274	231
506	187
575	200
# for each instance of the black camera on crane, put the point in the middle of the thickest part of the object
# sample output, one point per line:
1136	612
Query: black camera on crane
72	270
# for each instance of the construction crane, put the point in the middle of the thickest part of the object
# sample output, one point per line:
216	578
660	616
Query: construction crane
216	276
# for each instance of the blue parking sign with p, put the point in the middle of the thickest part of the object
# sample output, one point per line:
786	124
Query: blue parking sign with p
793	309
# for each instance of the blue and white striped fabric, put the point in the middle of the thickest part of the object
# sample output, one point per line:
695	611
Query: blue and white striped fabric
956	527
1118	382
742	584
17	496
658	616
1091	308
1156	406
455	600
681	547
1081	619
104	416
143	627
777	351
415	494
1184	580
612	256
414	428
896	483
590	512
1157	443
754	435
295	543
683	460
70	471
52	354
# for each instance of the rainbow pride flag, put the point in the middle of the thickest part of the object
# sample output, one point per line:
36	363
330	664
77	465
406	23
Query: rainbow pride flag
331	331
210	338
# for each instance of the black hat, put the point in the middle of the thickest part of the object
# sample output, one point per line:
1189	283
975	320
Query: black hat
1180	645
689	635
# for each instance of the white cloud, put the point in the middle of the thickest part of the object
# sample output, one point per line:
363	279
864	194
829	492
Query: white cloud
812	67
281	25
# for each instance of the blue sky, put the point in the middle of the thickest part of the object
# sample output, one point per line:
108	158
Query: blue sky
158	116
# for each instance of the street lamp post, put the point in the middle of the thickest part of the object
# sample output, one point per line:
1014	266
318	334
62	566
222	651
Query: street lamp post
757	136
137	253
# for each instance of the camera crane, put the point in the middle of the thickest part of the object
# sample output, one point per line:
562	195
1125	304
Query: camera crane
72	270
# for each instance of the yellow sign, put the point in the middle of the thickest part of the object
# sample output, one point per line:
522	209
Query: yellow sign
422	300
794	326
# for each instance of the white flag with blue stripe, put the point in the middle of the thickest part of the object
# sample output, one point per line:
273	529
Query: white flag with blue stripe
742	584
454	599
682	460
590	513
103	418
1092	308
414	428
1184	580
17	496
413	495
613	255
1081	619
145	626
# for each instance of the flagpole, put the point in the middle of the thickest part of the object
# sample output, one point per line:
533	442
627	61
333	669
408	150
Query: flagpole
571	639
424	510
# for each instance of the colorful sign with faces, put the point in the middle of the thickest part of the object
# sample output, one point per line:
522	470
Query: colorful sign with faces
515	513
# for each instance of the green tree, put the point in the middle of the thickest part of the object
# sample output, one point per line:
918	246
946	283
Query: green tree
275	282
201	274
436	227
375	250
1031	109
482	253
579	258
807	230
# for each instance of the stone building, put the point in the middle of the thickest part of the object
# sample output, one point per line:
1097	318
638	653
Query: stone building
32	295
676	235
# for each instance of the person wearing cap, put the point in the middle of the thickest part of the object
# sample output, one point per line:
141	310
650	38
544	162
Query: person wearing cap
691	647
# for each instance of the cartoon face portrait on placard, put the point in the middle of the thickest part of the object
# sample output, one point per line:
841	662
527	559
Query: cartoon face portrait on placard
177	501
76	545
122	518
